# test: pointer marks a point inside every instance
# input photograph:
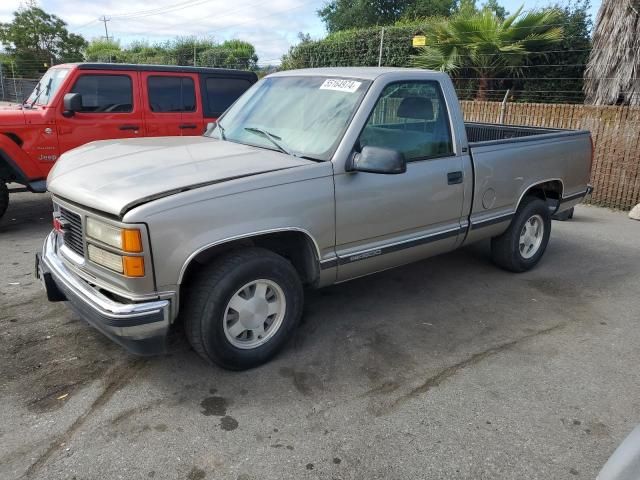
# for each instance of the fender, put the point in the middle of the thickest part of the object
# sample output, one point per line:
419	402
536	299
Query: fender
248	236
23	167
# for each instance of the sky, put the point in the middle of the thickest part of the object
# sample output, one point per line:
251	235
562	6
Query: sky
272	26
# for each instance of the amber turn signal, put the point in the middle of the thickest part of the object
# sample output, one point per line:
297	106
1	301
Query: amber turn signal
133	266
131	240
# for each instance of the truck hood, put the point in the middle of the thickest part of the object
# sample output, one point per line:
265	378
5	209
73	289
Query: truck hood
114	176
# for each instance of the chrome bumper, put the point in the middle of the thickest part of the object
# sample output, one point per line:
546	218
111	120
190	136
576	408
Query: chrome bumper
140	327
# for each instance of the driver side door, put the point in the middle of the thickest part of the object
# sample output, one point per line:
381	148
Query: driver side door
111	108
385	220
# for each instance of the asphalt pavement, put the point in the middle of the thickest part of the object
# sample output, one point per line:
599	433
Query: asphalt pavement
445	369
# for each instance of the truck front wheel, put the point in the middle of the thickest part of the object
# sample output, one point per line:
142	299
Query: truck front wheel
4	197
240	310
520	248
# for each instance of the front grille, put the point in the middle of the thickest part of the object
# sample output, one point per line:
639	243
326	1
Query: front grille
73	232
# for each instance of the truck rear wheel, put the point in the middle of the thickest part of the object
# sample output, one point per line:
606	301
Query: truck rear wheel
521	247
240	310
4	197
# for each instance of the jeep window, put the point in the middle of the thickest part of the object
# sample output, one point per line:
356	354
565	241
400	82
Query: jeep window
222	92
171	94
307	115
47	87
105	93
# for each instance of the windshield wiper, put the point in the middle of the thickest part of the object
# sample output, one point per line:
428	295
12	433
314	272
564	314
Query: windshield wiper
38	90
272	138
47	88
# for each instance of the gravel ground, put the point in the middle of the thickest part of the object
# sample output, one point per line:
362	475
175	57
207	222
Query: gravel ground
449	368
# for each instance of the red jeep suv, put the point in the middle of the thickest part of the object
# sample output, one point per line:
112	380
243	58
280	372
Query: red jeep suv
74	104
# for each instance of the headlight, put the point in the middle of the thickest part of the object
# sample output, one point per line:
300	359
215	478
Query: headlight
129	266
125	239
106	259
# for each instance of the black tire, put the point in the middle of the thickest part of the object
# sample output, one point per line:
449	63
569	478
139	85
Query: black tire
505	249
208	295
4	197
564	216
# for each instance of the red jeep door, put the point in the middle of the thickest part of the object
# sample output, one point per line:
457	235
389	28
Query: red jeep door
172	104
111	108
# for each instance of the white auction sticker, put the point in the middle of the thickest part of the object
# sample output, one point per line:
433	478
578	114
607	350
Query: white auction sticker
340	85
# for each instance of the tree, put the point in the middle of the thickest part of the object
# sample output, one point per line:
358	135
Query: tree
102	50
469	7
614	65
339	15
557	75
35	38
429	8
486	45
231	54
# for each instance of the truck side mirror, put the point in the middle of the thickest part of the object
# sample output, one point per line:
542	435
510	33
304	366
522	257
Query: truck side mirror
72	104
378	160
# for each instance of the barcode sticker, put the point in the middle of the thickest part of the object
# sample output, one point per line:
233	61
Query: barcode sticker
349	86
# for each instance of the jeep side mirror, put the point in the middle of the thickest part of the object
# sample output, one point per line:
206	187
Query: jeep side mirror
378	160
72	104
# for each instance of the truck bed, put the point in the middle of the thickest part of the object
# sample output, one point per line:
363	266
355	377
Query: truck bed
481	133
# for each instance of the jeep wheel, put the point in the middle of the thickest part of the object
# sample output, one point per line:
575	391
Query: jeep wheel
520	248
240	310
4	197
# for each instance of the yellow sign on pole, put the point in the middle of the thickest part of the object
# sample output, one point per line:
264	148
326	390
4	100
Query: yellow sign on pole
419	41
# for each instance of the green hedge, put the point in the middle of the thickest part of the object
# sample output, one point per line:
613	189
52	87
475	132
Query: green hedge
357	48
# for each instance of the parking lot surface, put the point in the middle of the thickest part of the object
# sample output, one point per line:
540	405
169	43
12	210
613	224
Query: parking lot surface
448	368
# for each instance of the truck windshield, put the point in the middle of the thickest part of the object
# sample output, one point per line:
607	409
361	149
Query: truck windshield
303	116
47	87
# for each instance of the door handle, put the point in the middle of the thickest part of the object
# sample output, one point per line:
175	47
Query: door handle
129	127
188	125
454	178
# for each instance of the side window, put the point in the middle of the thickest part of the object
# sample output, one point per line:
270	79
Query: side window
105	93
171	94
222	92
410	117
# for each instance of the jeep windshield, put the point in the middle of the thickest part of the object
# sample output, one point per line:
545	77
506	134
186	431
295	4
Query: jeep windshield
299	115
47	87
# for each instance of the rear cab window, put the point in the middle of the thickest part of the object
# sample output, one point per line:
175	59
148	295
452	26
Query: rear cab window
104	93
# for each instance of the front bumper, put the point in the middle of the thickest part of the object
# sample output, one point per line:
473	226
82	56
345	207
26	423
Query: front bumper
140	327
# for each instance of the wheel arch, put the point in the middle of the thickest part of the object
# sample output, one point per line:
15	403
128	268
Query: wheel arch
295	244
550	190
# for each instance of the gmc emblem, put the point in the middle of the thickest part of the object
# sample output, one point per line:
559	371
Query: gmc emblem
60	225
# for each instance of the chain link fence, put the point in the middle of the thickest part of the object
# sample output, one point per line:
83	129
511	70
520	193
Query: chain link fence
15	90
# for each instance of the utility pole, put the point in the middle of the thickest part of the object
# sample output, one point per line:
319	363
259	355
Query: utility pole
2	82
503	107
381	43
104	19
194	54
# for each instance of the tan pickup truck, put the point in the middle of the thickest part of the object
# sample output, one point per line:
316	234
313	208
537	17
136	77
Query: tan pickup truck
312	177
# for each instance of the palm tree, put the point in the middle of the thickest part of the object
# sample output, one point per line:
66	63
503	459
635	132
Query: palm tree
487	45
613	72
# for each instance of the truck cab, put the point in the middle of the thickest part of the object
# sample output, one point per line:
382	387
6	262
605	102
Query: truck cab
74	104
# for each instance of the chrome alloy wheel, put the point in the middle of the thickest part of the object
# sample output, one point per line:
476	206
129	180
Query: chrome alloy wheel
531	236
254	314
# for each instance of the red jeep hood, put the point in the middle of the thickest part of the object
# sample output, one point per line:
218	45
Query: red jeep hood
12	115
